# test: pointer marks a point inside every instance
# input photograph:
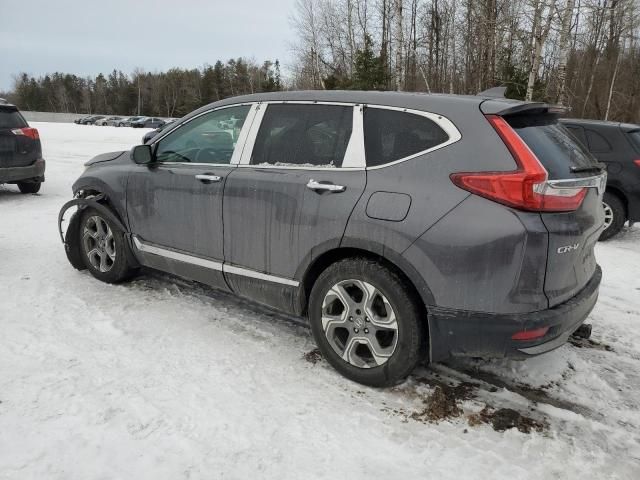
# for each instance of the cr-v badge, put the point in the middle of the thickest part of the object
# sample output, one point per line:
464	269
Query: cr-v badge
568	248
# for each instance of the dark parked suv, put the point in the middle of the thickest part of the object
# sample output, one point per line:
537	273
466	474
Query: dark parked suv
405	226
21	159
618	146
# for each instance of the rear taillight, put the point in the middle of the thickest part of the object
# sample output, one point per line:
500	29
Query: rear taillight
525	188
637	162
530	334
27	132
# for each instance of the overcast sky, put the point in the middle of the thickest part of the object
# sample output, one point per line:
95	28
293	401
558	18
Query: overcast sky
87	37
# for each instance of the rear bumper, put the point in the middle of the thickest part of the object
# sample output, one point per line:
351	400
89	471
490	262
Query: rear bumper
488	335
31	172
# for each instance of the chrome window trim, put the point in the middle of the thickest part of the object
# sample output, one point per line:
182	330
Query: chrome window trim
242	138
443	122
355	149
211	264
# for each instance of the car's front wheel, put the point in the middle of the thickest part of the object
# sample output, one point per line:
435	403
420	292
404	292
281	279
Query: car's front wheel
103	248
367	322
614	215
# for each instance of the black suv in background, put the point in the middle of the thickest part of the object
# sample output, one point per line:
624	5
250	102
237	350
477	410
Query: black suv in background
21	159
618	146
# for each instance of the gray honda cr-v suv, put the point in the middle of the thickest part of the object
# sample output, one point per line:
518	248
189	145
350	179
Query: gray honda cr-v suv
405	226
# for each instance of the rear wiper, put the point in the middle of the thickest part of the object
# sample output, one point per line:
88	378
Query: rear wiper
589	168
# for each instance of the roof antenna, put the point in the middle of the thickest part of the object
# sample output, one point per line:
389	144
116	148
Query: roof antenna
495	92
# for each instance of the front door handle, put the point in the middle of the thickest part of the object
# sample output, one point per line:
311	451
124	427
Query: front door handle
207	178
331	187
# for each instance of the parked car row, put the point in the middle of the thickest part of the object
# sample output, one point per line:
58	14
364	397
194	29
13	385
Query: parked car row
116	121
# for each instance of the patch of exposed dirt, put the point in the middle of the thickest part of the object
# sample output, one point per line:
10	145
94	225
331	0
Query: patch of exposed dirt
505	418
442	403
588	343
313	356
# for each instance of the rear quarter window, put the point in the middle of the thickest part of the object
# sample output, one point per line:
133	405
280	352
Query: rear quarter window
597	142
634	138
391	135
555	147
10	118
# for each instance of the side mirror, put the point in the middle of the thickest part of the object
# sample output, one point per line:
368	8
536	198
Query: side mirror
141	154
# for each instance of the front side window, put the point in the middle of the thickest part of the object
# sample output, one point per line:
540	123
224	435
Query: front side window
391	135
303	135
210	138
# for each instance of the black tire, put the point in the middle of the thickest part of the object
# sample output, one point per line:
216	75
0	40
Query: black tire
119	268
619	215
411	343
29	187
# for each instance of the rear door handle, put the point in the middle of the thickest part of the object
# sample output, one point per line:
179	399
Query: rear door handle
207	178
331	187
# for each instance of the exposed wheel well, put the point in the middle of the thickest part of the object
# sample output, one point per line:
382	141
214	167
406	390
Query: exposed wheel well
332	256
88	193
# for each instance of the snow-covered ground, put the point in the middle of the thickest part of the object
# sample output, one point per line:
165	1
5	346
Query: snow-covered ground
163	379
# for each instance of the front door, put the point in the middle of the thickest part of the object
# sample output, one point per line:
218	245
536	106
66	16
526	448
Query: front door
292	195
174	205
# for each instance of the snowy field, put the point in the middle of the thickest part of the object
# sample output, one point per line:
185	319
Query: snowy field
158	379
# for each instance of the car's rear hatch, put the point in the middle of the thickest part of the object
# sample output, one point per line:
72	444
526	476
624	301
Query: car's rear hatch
19	144
572	234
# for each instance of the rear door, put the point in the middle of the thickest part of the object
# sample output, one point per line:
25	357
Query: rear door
16	148
292	195
572	235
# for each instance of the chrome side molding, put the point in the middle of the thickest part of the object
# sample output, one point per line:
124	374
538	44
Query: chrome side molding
211	264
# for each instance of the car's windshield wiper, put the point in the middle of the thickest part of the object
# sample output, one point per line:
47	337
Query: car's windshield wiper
589	168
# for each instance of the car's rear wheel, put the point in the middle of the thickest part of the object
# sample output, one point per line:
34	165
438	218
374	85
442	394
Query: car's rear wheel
103	248
614	215
366	322
29	187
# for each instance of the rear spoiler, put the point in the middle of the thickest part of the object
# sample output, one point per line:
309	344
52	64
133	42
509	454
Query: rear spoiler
496	103
513	107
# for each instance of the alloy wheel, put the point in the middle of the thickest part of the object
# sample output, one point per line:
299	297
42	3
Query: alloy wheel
608	215
99	243
359	323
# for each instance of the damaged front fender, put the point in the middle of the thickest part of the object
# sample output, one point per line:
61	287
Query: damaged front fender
71	238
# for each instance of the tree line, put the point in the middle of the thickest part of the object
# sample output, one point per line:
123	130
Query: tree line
580	53
166	94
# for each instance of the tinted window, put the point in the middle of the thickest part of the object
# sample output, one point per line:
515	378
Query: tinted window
597	143
10	118
206	139
303	135
634	136
578	133
552	143
390	135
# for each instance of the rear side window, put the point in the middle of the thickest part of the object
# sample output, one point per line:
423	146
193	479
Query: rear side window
634	136
578	133
597	143
391	135
303	135
10	118
555	147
